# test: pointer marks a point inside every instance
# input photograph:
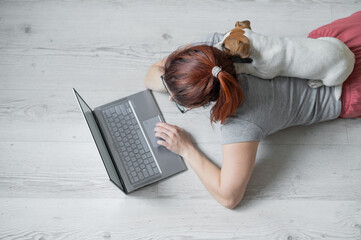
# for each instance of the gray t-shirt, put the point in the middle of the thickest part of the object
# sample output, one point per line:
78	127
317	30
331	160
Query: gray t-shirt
272	105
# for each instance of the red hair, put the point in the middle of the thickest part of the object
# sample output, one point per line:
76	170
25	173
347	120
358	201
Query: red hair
188	75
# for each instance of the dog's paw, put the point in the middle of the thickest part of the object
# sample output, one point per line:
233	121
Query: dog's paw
314	83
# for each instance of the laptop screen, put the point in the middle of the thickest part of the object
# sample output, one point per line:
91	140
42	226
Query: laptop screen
94	129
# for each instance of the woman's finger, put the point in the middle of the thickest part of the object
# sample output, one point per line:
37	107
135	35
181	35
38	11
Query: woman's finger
166	126
163	143
163	130
162	135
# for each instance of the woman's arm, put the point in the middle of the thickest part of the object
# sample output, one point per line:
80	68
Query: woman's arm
152	79
228	184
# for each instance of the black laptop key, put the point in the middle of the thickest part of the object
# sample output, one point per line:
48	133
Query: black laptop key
117	110
108	113
145	173
122	108
150	170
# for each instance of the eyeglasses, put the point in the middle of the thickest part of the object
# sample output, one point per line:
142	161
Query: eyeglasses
180	107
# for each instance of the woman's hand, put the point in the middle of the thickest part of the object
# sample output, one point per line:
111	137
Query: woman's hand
175	138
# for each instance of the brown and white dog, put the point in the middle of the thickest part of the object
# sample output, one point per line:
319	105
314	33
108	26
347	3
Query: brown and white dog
325	61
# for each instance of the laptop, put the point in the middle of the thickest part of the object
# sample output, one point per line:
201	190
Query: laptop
123	131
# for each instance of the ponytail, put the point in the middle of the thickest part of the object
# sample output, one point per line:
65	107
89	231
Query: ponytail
229	98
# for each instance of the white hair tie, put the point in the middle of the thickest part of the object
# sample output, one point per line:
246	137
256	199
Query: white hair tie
215	71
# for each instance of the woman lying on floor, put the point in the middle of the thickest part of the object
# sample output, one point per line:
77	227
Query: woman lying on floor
248	108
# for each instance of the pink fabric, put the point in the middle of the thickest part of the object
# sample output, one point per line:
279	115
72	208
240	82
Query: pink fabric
347	30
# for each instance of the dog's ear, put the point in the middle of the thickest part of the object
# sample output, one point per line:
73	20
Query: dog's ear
245	23
244	47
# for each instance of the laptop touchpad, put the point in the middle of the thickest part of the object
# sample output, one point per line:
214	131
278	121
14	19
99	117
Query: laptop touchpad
149	126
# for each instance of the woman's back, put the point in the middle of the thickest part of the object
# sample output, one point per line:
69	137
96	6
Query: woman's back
272	105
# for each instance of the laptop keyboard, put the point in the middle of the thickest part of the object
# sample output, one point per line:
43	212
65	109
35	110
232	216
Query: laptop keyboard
130	143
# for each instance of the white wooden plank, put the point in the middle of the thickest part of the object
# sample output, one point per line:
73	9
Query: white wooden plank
353	127
179	219
344	10
90	68
329	132
79	23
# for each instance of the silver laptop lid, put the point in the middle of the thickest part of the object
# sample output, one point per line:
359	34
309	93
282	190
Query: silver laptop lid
102	148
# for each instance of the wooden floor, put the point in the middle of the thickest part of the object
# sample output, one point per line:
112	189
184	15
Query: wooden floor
307	180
